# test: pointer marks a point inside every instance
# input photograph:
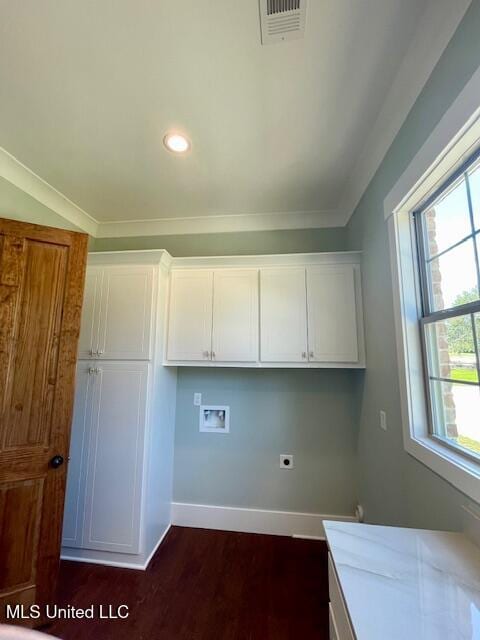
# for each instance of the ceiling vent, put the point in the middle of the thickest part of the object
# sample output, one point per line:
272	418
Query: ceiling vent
282	20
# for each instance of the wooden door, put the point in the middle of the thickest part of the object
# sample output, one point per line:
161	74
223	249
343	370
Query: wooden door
332	314
113	494
190	315
126	313
283	318
41	287
235	315
88	343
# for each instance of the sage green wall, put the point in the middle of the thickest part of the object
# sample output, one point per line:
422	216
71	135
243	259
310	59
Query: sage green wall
309	414
240	243
393	486
15	204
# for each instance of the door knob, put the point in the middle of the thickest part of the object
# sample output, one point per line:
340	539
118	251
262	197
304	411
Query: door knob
56	462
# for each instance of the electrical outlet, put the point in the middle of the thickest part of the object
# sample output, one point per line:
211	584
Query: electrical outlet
197	399
286	461
383	420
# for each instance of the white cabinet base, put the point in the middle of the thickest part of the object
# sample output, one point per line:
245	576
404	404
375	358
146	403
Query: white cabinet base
339	618
332	623
113	559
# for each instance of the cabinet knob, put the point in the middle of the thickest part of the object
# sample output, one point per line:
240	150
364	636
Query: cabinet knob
213	355
311	355
100	353
91	370
206	354
304	355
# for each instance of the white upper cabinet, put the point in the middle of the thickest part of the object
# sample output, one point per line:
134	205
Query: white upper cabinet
90	312
283	316
117	311
266	311
235	315
190	317
332	313
126	312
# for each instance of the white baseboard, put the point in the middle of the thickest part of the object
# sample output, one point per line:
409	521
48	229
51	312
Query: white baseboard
278	523
109	559
155	548
105	562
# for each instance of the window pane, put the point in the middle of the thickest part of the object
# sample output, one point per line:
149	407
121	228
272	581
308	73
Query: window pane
453	277
451	349
477	329
474	180
456	408
447	221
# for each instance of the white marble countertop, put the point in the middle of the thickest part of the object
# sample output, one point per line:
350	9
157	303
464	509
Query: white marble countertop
407	584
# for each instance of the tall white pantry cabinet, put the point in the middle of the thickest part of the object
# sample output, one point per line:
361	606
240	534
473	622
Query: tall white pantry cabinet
119	487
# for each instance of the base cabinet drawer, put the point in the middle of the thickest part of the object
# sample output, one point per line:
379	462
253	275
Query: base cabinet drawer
340	628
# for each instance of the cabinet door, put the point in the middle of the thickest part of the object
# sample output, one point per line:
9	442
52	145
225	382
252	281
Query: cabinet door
190	315
79	442
125	319
90	312
332	323
283	317
235	315
115	462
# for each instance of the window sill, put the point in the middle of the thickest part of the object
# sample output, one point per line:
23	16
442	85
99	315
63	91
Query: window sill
463	473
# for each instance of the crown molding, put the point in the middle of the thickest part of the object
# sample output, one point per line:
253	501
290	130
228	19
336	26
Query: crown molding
16	173
270	260
141	256
434	31
13	171
221	224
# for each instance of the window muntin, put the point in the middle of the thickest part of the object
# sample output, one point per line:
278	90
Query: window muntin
448	235
474	184
448	283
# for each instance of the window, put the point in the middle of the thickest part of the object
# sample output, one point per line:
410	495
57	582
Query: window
448	242
434	239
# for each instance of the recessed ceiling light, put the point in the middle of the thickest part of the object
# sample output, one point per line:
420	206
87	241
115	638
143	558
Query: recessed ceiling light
176	142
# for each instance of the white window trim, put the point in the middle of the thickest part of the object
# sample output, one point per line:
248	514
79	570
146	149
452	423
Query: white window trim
455	137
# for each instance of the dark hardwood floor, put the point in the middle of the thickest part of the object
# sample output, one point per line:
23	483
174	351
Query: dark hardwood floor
206	585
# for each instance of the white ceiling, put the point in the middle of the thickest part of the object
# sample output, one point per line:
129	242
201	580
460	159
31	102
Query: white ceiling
89	88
